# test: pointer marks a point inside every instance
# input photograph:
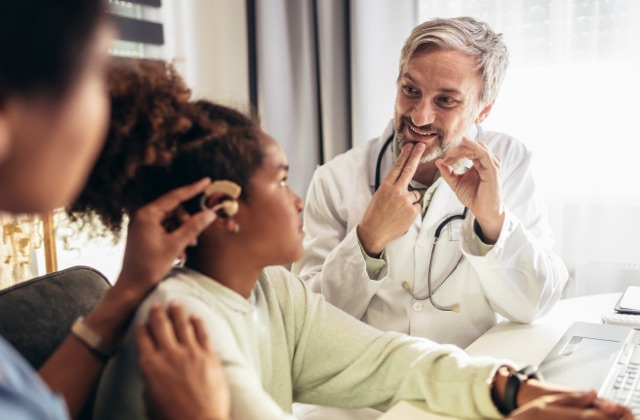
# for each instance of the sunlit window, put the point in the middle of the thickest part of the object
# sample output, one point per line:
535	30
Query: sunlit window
572	96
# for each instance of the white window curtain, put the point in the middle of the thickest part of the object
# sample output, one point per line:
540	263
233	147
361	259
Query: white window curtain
571	94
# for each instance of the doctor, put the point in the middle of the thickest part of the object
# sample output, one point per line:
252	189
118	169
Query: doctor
373	214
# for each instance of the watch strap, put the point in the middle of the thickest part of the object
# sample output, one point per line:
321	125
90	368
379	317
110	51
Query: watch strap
514	381
92	340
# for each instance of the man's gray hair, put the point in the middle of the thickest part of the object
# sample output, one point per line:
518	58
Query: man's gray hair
469	36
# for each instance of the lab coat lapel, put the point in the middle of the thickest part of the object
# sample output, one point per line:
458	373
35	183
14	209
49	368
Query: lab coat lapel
444	203
387	159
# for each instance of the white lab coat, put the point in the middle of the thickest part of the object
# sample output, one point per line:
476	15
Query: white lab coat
520	278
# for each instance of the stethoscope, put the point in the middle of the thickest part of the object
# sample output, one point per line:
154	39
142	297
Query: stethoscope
455	307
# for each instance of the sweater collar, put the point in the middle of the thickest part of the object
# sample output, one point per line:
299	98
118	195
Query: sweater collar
209	285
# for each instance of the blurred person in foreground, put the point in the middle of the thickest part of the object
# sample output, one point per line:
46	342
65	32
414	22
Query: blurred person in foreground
53	121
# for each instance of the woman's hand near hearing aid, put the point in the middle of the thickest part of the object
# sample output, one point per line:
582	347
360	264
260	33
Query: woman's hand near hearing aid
183	377
151	250
149	254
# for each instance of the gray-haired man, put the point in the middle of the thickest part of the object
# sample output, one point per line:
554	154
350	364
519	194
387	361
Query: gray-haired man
373	214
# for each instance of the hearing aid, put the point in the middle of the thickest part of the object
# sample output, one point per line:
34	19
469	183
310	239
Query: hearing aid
227	188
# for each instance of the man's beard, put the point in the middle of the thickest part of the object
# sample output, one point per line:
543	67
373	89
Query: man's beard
439	150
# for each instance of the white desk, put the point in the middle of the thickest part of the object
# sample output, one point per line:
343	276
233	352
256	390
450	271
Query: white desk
523	343
530	343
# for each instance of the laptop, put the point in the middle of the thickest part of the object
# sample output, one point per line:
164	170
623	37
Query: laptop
604	357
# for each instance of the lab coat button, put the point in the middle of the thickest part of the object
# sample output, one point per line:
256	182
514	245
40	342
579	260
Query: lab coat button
417	306
422	241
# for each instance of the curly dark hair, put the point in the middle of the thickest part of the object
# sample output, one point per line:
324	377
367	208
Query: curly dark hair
159	140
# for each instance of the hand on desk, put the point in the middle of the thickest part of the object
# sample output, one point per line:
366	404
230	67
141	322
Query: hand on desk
539	400
571	405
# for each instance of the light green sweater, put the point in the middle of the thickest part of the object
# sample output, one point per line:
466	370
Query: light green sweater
286	344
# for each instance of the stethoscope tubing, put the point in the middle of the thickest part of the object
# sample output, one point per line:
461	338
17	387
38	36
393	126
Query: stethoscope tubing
441	226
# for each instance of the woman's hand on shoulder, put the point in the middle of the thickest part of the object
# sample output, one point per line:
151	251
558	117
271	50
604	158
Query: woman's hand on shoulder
182	375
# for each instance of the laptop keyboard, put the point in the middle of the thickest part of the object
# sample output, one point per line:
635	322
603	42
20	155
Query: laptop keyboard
624	386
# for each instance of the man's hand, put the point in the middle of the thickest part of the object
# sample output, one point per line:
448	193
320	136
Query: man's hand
183	376
393	207
151	250
479	187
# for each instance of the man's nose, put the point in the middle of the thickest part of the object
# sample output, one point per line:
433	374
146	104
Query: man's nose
423	113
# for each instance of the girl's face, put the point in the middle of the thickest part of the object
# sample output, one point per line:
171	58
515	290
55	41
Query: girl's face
47	147
270	220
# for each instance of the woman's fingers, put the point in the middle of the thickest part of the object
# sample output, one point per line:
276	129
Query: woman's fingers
161	328
144	340
187	233
201	332
170	201
181	325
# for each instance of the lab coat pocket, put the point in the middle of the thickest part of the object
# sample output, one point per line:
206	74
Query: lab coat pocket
453	231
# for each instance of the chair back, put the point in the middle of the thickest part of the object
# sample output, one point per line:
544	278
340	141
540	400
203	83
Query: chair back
36	315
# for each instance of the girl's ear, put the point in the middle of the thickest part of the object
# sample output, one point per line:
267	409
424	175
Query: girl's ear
222	204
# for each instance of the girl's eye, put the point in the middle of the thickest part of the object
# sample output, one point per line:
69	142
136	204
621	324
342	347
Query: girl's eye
283	183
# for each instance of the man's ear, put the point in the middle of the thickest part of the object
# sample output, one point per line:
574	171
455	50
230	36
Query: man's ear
484	113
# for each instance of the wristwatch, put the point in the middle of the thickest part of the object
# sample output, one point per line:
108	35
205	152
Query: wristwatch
514	381
92	340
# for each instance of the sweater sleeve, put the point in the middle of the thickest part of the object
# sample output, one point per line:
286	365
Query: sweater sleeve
340	361
249	400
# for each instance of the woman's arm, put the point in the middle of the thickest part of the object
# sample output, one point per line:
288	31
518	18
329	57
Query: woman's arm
376	369
149	254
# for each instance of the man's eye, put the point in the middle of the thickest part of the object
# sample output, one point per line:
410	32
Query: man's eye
447	101
409	90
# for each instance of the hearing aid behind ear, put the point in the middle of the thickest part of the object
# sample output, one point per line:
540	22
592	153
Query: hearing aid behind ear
228	188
